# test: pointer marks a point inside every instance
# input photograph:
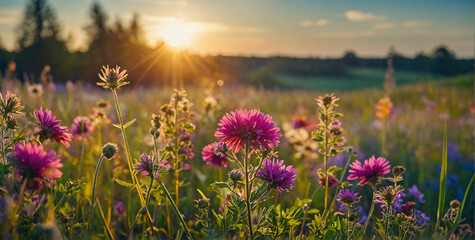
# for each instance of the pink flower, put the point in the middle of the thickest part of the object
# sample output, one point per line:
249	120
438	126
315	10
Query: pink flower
50	127
242	126
370	172
81	127
214	154
33	162
277	175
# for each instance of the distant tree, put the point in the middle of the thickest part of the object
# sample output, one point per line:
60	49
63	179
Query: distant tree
39	22
445	62
38	38
422	62
350	58
97	30
135	29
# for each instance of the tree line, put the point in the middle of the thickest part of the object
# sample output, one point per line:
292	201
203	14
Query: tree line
41	42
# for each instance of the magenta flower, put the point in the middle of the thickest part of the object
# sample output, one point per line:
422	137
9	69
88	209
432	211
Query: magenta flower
215	154
277	175
50	127
145	165
81	127
332	181
370	172
241	126
119	207
34	163
348	197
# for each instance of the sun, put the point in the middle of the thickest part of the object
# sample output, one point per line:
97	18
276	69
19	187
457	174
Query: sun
176	33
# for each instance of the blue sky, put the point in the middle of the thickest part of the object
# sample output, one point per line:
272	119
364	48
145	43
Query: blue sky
271	27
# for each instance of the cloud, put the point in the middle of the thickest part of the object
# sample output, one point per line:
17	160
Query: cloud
381	26
357	16
311	23
166	3
413	24
322	22
9	16
345	34
306	23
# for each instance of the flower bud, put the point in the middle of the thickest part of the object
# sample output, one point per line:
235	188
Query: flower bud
202	203
398	171
454	204
110	150
236	175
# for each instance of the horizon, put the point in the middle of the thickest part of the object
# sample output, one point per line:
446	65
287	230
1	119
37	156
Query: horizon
302	29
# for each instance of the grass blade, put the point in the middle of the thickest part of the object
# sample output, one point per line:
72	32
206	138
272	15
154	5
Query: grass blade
459	214
443	179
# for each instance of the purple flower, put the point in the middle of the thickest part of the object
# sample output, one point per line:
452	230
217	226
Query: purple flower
371	171
50	127
119	207
415	193
214	154
348	197
277	175
421	218
33	162
145	165
254	127
81	127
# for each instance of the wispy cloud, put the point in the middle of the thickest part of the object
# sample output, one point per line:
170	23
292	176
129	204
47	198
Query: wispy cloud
9	16
382	26
345	34
311	23
322	22
358	16
413	24
166	3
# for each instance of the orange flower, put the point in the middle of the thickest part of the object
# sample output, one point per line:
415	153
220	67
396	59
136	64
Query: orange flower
383	107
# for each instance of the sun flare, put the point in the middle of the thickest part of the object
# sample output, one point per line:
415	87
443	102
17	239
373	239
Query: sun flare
176	33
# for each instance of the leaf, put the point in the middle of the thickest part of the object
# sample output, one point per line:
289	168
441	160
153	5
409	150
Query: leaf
80	225
219	185
116	125
124	183
459	214
201	193
443	179
129	123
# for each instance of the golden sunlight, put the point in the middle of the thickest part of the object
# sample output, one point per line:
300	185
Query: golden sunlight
176	33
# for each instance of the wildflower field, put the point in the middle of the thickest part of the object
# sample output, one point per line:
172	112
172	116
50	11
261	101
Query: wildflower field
212	161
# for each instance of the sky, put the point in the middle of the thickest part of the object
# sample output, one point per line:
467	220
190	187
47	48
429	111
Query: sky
303	28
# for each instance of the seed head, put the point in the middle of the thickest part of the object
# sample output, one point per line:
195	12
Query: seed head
112	78
110	150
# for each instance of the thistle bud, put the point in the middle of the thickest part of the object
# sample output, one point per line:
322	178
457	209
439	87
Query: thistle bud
236	175
454	204
398	171
110	150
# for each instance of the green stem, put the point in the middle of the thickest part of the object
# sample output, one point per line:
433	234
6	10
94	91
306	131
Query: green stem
248	195
148	191
176	149
386	222
129	160
371	209
170	199
350	157
348	223
93	194
104	220
167	204
325	161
